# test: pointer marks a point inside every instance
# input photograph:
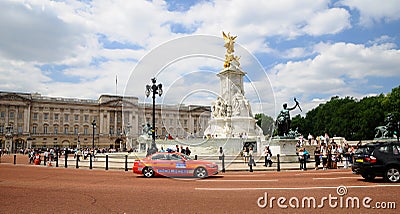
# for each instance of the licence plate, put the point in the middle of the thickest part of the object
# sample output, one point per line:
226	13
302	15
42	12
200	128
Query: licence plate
359	160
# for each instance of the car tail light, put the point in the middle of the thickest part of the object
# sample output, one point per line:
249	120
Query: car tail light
370	159
136	162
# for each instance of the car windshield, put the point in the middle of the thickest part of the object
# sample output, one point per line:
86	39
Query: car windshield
186	157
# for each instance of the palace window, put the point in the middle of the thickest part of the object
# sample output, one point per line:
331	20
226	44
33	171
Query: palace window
66	130
55	116
20	130
34	129
55	130
45	129
35	116
66	117
46	116
11	115
85	131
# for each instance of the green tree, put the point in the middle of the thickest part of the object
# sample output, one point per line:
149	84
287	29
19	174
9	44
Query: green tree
391	103
298	122
370	114
266	123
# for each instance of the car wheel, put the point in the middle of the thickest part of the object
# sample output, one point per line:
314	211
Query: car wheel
148	172
368	177
392	174
200	172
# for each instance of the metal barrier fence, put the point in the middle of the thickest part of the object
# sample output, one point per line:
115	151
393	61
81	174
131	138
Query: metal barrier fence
125	162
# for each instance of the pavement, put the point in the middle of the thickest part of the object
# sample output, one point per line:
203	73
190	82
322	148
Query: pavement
124	161
39	189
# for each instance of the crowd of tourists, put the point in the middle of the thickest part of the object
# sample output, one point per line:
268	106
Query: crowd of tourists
327	153
51	154
177	148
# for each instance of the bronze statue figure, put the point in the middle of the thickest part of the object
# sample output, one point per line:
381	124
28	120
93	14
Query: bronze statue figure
283	120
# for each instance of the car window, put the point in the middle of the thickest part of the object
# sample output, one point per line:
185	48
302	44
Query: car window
366	150
186	157
175	157
384	149
159	157
360	150
396	149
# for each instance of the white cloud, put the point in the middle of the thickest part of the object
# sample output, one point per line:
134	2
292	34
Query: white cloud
374	11
255	20
330	21
331	71
37	33
21	76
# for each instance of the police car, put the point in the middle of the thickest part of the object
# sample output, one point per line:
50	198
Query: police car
173	165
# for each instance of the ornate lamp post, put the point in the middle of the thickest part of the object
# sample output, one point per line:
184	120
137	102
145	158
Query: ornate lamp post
9	138
154	89
128	144
94	127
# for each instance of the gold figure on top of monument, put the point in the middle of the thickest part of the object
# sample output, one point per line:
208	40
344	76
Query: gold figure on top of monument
229	45
229	42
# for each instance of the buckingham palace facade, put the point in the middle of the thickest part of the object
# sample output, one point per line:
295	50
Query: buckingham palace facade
30	120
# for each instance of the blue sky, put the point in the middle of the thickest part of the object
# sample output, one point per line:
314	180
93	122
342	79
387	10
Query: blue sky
308	49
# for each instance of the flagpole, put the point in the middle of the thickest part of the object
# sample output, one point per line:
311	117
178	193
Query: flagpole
116	84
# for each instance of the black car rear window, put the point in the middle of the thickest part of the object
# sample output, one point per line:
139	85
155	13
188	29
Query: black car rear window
366	150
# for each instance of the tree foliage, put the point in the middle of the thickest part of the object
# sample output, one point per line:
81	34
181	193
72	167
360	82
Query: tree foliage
266	123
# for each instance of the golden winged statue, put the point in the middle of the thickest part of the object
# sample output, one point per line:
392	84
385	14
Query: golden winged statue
229	42
229	45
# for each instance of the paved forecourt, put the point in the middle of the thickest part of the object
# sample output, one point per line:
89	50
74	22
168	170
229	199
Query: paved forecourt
39	189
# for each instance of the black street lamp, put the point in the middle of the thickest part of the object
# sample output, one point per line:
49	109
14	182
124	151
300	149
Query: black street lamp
94	127
155	89
78	144
398	131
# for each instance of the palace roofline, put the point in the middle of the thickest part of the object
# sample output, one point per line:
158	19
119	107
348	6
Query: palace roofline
103	98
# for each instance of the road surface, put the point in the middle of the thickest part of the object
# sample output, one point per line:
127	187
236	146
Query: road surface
39	189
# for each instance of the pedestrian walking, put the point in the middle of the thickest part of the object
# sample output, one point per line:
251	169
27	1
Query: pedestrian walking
268	157
246	154
303	156
324	153
317	156
251	158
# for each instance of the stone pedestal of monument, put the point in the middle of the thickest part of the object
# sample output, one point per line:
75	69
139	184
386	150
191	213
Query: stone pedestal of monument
199	146
286	148
233	127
